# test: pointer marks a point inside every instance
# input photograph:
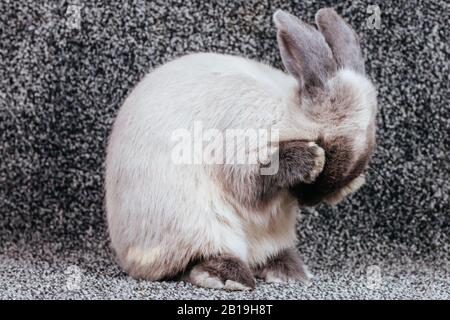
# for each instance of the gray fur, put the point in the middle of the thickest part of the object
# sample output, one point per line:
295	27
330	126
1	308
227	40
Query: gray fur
348	134
299	162
304	52
341	38
225	268
284	267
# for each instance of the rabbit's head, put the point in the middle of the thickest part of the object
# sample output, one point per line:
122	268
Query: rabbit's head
335	94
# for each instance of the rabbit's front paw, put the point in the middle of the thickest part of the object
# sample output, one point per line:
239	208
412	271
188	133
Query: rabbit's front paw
300	162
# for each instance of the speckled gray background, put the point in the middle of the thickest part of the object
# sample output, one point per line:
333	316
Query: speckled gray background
61	85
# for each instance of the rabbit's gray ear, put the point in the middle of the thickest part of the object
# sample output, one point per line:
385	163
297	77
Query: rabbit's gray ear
304	52
341	38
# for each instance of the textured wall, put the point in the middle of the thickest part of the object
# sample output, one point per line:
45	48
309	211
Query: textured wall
61	86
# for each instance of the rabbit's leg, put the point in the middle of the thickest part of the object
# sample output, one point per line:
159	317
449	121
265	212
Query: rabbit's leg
284	267
299	161
222	272
291	163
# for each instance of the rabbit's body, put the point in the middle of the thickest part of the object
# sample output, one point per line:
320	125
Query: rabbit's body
221	224
157	208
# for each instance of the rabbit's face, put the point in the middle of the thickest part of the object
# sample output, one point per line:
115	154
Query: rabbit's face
347	116
343	172
335	93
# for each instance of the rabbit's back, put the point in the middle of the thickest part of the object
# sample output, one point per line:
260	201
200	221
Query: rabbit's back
162	214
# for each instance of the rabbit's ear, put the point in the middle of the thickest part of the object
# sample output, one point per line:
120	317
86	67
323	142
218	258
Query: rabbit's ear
341	38
304	52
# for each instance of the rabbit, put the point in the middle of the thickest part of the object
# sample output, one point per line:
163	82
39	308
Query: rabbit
223	225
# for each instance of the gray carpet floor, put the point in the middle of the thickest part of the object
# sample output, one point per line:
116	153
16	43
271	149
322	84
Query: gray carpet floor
46	272
62	81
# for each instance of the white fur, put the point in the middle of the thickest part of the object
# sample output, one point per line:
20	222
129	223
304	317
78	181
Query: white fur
204	279
157	210
235	286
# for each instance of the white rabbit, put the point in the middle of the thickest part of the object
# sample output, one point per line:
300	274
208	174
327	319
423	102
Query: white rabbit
220	225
